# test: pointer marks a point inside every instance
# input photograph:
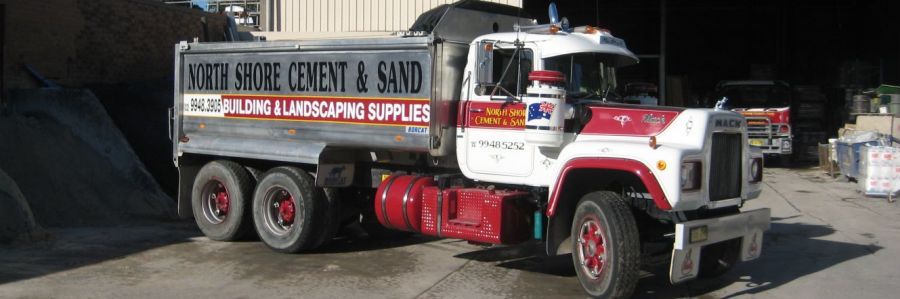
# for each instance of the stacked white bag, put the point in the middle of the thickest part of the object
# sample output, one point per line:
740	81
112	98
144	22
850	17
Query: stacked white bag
879	168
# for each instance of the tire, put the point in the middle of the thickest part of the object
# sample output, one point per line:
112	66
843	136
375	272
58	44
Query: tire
220	200
716	259
254	172
288	210
604	221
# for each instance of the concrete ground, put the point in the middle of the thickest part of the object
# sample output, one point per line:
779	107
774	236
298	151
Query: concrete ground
826	241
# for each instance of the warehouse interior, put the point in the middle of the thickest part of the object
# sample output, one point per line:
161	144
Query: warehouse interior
825	50
831	44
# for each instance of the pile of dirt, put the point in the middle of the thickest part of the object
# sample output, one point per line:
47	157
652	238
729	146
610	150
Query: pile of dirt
16	220
139	111
71	163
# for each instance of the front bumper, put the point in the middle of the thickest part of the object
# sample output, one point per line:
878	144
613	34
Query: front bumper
780	145
748	225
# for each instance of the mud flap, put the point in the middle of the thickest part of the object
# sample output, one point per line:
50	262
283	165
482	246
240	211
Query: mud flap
685	265
334	175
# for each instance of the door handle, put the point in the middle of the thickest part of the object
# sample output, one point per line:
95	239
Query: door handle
476	110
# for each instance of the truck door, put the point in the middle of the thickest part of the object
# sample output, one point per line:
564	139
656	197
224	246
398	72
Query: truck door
494	126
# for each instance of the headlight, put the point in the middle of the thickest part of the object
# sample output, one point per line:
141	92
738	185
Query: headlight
690	175
756	167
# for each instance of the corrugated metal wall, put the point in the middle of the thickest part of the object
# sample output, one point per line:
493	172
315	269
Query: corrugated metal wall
309	16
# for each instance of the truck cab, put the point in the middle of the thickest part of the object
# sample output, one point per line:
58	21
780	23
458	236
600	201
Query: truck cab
767	106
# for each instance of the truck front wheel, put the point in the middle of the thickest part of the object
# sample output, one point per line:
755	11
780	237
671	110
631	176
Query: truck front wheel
606	248
287	210
221	194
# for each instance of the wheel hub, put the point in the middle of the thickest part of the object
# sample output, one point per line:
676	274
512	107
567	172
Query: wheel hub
222	202
216	201
592	250
285	208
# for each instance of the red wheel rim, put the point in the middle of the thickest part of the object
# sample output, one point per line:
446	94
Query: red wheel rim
216	201
592	248
281	211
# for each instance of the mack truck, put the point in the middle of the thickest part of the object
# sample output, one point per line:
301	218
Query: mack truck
767	106
476	124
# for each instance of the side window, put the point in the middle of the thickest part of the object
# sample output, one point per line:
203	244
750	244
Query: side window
515	78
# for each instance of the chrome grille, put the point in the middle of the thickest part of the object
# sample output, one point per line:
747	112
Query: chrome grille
725	166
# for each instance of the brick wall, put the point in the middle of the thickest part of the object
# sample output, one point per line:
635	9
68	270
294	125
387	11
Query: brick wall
79	42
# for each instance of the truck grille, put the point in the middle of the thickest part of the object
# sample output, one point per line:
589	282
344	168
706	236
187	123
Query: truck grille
760	126
725	166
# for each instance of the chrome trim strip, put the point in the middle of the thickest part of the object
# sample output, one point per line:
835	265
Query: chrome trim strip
406	199
384	215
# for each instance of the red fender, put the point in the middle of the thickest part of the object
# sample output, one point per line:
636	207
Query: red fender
631	166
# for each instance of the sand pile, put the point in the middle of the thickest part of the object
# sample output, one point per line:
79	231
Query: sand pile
71	164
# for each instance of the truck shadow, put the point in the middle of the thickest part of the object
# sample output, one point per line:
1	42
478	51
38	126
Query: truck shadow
65	249
791	251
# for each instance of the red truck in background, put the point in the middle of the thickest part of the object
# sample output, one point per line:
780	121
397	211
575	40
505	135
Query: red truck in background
767	106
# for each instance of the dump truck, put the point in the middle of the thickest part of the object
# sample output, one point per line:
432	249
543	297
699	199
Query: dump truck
476	124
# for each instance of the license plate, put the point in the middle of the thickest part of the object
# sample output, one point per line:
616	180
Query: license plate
757	142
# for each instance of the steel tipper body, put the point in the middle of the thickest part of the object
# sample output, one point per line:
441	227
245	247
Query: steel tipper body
461	132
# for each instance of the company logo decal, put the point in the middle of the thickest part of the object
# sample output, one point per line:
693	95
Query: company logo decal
542	110
654	119
622	119
417	130
688	265
754	248
728	123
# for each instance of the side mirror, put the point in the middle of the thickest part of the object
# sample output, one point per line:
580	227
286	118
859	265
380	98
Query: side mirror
485	63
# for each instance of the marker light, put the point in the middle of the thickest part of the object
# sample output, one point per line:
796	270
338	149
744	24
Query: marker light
554	29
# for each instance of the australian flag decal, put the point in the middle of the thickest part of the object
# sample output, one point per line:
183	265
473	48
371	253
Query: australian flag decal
542	110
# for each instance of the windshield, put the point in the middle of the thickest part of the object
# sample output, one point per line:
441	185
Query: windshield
755	96
586	74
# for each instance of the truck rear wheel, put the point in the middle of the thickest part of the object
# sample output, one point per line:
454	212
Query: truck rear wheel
288	210
606	249
222	191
